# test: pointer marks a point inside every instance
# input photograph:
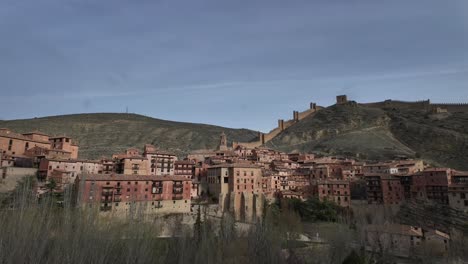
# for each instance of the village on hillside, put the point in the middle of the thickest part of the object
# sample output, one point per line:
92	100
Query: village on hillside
239	179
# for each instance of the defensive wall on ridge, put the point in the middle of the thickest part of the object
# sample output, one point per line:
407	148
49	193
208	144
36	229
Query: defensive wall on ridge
282	125
424	105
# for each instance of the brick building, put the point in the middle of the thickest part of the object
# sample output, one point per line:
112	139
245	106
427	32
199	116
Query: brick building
437	182
147	193
334	190
384	189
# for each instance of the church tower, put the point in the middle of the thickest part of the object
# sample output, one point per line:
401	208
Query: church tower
223	142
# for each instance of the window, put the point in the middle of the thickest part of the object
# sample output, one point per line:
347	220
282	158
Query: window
226	180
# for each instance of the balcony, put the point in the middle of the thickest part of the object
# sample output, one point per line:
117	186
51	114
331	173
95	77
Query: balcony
117	199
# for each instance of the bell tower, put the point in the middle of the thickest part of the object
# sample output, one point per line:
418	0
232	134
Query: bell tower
222	142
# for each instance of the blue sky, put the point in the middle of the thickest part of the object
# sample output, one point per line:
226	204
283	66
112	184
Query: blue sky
231	63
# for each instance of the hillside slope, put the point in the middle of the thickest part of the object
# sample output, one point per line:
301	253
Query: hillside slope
105	134
374	133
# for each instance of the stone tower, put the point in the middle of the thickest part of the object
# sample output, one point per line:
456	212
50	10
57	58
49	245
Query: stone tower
223	142
341	99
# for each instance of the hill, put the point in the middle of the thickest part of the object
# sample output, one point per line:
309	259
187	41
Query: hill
380	133
105	134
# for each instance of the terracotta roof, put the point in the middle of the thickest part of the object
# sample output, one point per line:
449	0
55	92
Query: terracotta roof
123	177
460	173
134	157
74	160
235	165
396	229
37	133
437	233
55	137
160	152
383	176
9	134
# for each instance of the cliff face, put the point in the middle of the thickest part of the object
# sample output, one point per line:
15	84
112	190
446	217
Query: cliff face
375	133
105	134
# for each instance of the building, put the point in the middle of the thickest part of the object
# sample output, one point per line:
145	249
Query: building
65	143
437	182
160	162
238	188
414	186
148	194
14	144
384	189
341	99
458	191
70	169
395	239
337	191
184	168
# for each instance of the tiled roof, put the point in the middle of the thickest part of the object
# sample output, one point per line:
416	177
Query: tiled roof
396	229
236	165
37	133
9	134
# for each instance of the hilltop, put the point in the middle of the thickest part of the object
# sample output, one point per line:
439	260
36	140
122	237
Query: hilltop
373	132
380	133
105	134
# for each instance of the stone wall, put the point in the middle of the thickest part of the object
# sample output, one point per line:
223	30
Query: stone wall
282	125
10	176
425	105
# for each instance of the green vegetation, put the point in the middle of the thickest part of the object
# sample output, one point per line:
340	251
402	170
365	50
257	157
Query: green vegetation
349	130
380	134
106	134
313	210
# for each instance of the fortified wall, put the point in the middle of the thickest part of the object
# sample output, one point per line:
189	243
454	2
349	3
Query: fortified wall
282	125
425	105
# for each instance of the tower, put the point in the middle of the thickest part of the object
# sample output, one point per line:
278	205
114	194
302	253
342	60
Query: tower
341	99
223	142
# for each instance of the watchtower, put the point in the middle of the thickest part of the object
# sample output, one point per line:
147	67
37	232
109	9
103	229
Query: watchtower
341	99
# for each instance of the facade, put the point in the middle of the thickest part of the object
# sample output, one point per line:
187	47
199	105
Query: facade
66	144
458	192
160	162
437	182
184	168
337	191
15	144
148	194
68	168
239	188
384	189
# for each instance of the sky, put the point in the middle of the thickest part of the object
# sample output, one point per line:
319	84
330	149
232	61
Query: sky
238	63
